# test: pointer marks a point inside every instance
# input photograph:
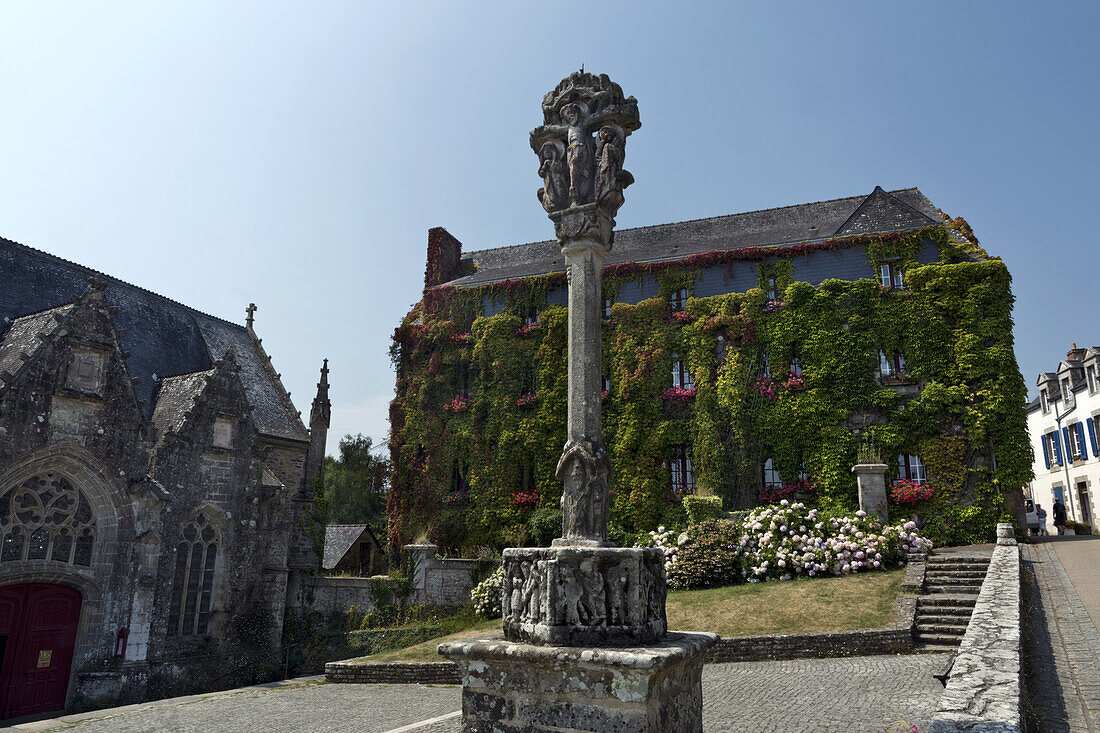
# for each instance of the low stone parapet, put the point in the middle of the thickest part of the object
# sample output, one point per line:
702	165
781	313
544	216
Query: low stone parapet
439	673
808	646
983	691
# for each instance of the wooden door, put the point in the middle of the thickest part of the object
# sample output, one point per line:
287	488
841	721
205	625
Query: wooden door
39	637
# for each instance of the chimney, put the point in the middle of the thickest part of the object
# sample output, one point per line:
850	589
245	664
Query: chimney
1075	354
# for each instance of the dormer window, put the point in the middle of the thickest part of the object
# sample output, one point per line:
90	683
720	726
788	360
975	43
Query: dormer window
86	370
1090	372
223	433
889	275
1067	393
773	289
1043	401
679	299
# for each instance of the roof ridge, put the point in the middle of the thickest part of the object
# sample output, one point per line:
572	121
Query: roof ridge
117	280
709	218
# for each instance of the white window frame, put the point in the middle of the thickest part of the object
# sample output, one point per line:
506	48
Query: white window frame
681	375
890	275
912	467
769	474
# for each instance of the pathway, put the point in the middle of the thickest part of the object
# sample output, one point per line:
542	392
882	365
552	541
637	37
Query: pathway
850	695
1062	641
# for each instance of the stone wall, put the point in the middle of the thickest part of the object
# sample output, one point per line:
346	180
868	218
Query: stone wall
441	673
983	689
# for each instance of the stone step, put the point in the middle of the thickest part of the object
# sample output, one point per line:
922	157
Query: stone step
975	578
955	562
944	602
973	564
952	573
961	620
939	639
944	615
924	629
961	590
935	648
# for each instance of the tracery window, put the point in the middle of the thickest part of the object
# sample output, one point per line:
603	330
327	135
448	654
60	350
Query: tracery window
46	518
193	584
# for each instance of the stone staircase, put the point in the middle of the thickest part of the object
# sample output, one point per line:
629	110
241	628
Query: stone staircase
951	587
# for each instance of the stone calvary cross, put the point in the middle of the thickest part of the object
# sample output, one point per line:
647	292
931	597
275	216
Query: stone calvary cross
584	181
583	592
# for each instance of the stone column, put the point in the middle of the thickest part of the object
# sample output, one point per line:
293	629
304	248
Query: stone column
871	478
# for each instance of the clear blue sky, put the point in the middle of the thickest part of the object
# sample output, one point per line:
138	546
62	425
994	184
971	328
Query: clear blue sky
295	154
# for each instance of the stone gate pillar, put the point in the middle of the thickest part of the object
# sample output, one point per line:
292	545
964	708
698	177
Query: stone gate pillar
871	478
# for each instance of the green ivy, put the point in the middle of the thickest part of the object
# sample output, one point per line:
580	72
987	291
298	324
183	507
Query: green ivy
959	407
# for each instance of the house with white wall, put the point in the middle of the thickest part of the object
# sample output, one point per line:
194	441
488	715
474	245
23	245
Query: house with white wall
1064	425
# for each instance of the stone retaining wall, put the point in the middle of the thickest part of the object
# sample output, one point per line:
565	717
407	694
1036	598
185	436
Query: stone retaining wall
440	673
983	689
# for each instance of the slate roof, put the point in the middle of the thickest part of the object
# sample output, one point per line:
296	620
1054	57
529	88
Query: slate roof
879	211
339	538
163	337
25	336
176	398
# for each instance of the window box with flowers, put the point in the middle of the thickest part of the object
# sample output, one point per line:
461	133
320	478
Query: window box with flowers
765	387
528	328
462	338
528	400
680	316
772	306
458	404
801	490
794	382
908	492
679	394
525	499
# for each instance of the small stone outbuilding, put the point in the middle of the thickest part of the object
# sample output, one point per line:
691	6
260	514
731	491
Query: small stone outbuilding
353	549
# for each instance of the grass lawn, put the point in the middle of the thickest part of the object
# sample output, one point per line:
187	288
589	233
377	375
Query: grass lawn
863	601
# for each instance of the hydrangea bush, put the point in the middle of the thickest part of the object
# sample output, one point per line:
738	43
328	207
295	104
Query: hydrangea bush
780	542
486	595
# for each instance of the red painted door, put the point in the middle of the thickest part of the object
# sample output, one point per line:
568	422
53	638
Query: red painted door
38	630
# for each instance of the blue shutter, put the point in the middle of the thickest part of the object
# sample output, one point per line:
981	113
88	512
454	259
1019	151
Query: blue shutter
1057	446
1081	441
1092	437
1046	451
1069	446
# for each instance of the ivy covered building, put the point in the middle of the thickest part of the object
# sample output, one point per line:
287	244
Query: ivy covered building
744	356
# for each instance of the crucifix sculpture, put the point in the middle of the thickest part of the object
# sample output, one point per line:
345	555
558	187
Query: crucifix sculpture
581	147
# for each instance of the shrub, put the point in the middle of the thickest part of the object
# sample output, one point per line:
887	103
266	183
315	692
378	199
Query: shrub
707	554
486	595
544	525
782	542
702	508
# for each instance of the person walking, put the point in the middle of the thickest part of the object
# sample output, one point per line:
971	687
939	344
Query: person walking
1060	516
1042	515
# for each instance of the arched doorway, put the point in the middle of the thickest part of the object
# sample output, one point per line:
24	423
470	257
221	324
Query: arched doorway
37	634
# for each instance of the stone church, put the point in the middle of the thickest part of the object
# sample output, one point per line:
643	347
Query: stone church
154	477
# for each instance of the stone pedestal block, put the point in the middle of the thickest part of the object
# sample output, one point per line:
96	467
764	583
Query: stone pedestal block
871	478
509	687
584	596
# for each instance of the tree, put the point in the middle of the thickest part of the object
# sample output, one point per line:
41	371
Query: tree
355	485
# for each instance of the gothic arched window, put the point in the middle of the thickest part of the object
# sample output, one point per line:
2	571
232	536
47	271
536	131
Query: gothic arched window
46	518
193	585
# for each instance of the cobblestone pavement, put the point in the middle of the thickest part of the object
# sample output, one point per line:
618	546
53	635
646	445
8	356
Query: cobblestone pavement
1062	647
856	694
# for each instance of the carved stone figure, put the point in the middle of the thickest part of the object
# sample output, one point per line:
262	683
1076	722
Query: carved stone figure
615	584
515	599
581	104
554	195
594	599
611	179
572	592
531	603
583	469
